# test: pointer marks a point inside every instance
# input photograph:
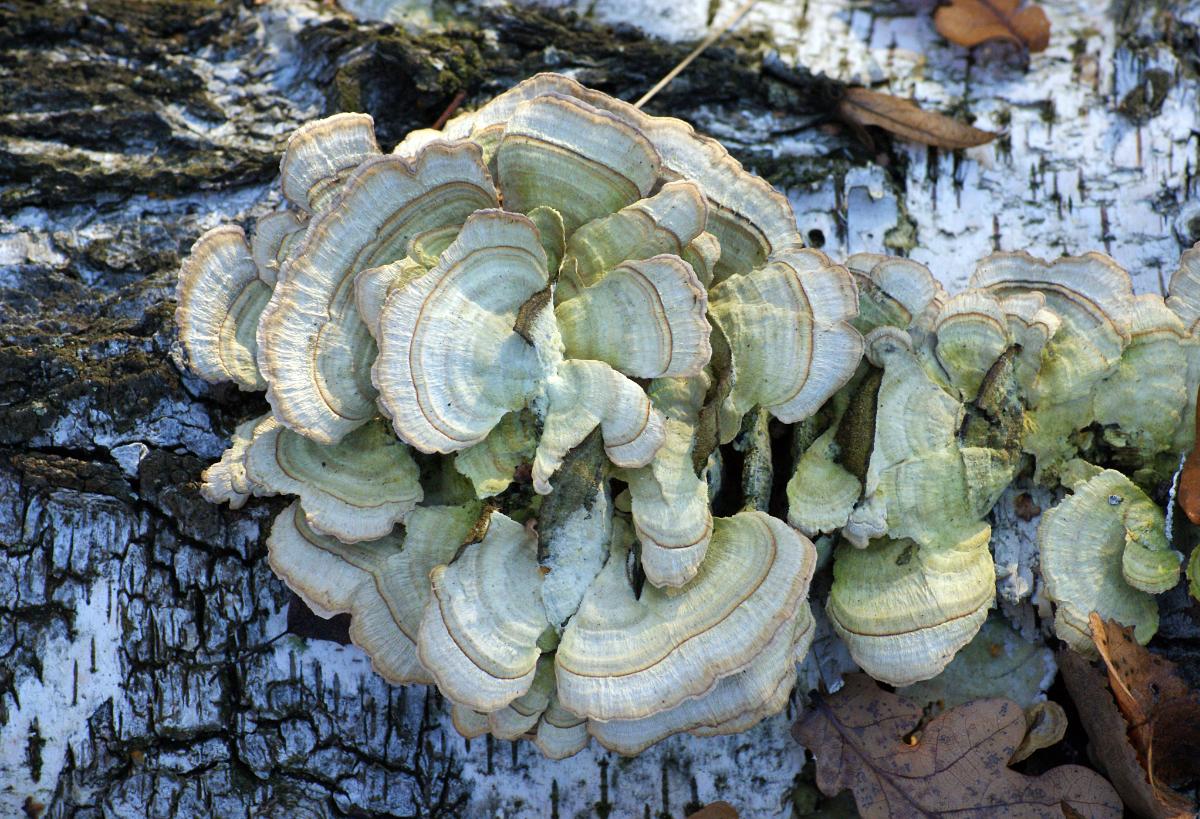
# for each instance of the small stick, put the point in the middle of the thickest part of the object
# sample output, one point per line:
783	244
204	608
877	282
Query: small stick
450	109
712	37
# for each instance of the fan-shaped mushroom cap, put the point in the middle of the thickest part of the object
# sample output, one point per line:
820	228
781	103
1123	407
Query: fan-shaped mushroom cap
450	364
321	154
785	328
275	235
521	715
468	722
560	733
314	350
1031	325
479	636
383	584
903	610
894	292
490	465
668	500
667	222
354	490
625	657
226	481
1142	402
561	152
1184	289
1092	545
734	704
220	299
582	395
972	332
821	493
644	318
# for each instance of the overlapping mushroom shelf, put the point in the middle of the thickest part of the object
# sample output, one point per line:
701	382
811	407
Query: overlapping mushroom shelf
508	362
1042	368
500	362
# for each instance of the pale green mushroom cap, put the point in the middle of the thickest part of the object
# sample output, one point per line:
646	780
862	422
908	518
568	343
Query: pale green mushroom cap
903	610
821	493
383	584
1092	544
894	292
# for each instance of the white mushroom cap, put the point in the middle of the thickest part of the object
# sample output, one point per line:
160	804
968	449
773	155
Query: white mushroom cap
668	500
560	152
903	610
895	292
1030	324
560	733
450	363
220	299
972	332
275	236
226	481
314	350
787	334
582	395
667	222
521	715
383	584
354	490
625	657
645	318
321	154
1184	289
734	704
479	636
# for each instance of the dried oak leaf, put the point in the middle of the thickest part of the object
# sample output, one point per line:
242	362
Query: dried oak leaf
1110	745
971	22
1162	710
958	764
862	107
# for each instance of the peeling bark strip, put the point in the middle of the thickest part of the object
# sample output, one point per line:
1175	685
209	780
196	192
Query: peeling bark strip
140	625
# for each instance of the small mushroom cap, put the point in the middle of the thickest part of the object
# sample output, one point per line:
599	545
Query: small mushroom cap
903	610
667	222
354	490
561	152
450	364
521	716
1083	543
583	395
220	299
560	733
469	723
226	481
627	657
821	493
1031	325
314	349
786	330
644	318
383	584
668	501
1184	289
972	332
490	465
275	236
479	636
734	704
894	292
321	154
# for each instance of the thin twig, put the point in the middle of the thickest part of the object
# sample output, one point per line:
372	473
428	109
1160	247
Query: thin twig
712	37
450	109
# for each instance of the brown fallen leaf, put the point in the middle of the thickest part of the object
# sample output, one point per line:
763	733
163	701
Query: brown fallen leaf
956	765
971	22
1162	710
1110	745
715	810
863	107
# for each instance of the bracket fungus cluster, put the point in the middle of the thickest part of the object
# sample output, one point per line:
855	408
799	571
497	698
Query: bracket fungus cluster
499	361
1037	367
508	364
